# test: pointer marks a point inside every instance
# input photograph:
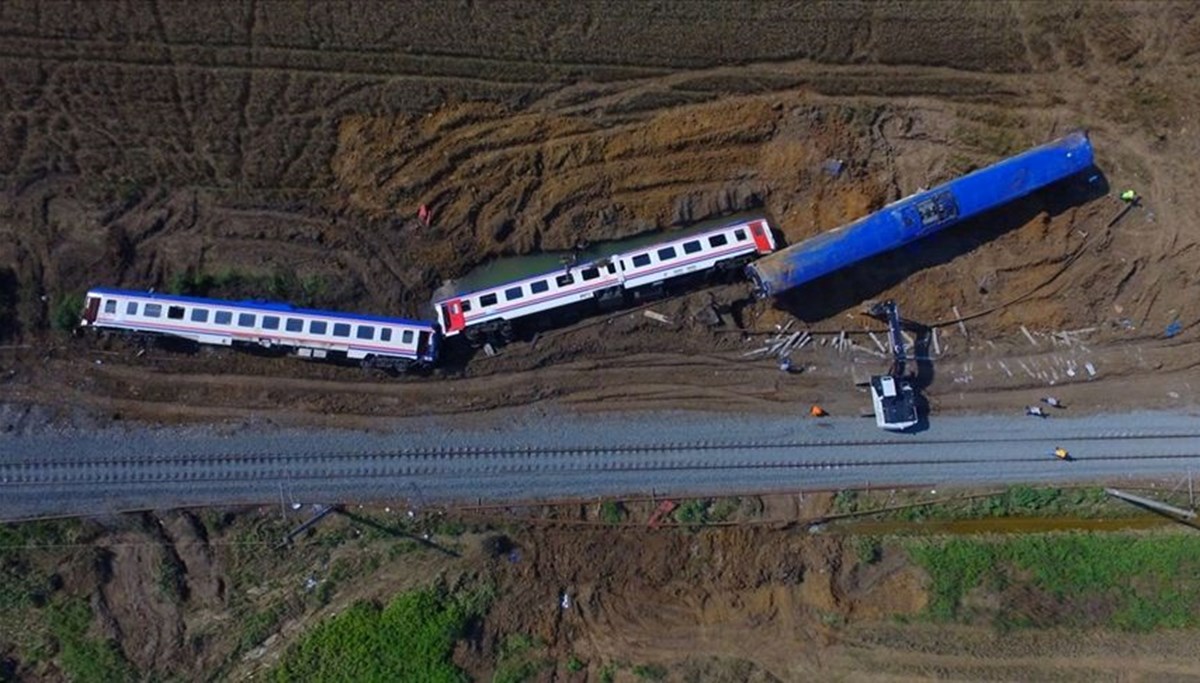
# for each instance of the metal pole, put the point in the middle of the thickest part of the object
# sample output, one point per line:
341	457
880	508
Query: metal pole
1153	504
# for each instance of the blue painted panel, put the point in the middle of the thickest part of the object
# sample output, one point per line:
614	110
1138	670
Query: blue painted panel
922	214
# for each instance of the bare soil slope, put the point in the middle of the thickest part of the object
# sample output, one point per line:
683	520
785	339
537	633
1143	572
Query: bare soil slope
285	149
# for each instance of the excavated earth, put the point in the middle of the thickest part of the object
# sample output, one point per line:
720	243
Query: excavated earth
284	149
281	146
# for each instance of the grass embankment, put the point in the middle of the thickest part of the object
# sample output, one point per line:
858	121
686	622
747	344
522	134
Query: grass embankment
46	626
1125	581
1015	501
411	639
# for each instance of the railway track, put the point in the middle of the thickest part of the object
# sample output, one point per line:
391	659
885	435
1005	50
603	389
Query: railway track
483	462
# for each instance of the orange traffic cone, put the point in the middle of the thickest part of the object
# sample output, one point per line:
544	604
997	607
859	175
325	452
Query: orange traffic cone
817	411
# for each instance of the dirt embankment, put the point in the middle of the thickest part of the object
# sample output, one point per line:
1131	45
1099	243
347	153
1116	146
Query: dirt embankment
152	148
214	595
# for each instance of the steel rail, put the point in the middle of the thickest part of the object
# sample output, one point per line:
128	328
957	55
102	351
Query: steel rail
341	469
455	452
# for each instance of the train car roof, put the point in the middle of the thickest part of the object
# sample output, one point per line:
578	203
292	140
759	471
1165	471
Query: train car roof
511	269
268	306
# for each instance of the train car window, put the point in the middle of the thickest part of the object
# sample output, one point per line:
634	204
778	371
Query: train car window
611	268
564	280
539	286
385	334
152	310
487	300
131	308
466	305
666	254
739	235
294	325
718	241
365	332
513	293
407	337
317	327
590	274
199	315
641	260
110	306
341	330
175	312
223	317
691	247
245	320
270	322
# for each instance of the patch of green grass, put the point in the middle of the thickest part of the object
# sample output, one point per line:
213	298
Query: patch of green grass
517	661
66	312
845	502
608	673
868	549
278	285
19	579
1144	581
257	626
650	672
723	509
611	512
172	576
84	658
693	513
1016	501
410	639
574	664
444	526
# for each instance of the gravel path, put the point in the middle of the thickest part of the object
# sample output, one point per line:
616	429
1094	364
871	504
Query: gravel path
532	454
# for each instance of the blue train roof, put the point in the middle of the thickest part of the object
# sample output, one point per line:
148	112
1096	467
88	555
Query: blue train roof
922	214
274	307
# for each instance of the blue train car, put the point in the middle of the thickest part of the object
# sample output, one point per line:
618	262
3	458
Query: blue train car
921	214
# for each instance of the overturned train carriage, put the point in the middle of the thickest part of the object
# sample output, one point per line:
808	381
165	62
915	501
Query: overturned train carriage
485	305
377	341
921	214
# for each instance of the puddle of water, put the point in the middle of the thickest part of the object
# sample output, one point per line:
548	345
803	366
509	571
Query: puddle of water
1002	525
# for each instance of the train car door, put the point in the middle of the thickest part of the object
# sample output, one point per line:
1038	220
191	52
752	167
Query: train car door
422	344
762	241
93	308
452	313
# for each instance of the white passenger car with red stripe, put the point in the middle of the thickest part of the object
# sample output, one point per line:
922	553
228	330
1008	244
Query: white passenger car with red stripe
487	312
378	341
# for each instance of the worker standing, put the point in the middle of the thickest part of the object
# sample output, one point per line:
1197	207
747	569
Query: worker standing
1129	196
1053	402
1035	411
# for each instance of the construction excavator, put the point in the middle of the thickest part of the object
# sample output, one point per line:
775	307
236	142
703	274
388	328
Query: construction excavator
893	395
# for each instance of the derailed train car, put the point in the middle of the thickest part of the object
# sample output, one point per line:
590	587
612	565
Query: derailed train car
480	312
921	214
377	341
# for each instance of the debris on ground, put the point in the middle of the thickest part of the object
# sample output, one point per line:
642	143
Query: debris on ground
659	317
